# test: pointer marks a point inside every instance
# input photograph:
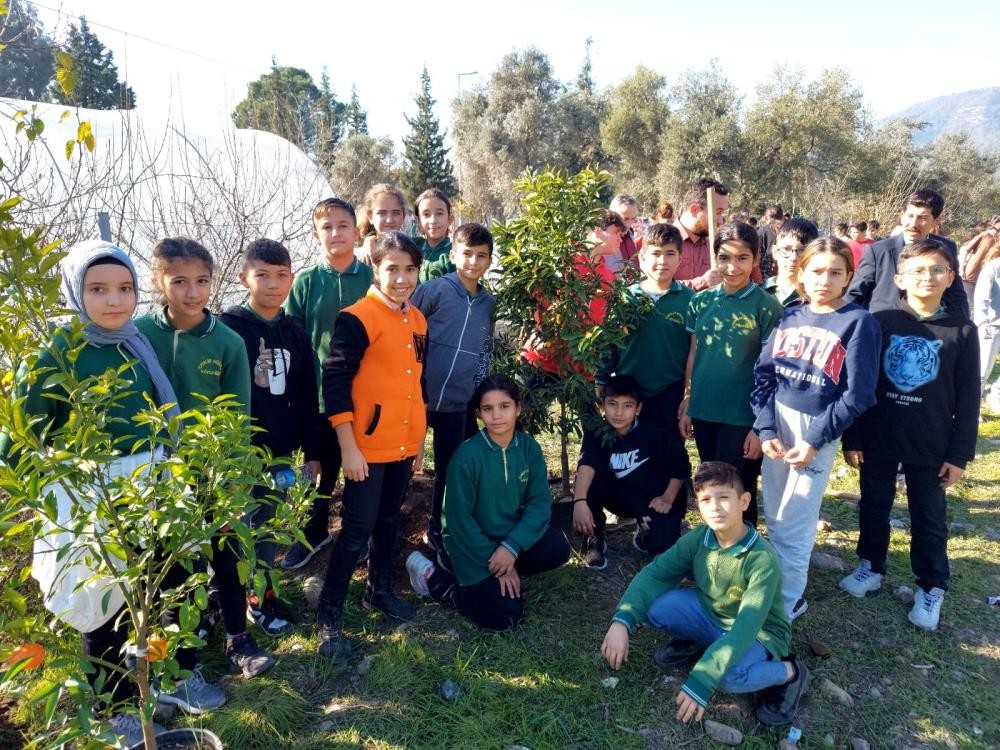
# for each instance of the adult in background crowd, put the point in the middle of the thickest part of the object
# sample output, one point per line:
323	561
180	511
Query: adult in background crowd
626	207
695	269
874	285
971	256
767	231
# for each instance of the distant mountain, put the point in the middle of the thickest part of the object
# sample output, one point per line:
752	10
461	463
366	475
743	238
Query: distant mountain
974	112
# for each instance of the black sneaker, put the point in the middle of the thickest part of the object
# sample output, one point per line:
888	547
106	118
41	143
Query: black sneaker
798	610
386	602
595	552
247	657
299	554
780	705
677	653
272	615
434	540
639	539
332	641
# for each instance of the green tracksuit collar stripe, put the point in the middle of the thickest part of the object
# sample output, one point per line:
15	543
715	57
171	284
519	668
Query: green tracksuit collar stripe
202	329
492	444
353	269
744	544
739	293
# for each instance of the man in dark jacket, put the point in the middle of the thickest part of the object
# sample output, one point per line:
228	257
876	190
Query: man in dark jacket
873	285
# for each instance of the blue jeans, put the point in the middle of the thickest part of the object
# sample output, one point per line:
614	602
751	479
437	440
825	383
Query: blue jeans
680	613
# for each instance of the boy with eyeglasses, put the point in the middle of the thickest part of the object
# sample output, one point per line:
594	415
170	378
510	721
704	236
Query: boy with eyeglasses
925	419
791	240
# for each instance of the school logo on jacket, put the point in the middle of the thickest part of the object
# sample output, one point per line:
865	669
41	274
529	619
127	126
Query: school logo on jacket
210	367
911	362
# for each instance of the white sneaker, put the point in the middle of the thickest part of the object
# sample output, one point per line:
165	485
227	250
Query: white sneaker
419	569
861	580
926	611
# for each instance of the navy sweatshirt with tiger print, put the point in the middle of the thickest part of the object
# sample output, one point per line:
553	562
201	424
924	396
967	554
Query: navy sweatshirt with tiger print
927	408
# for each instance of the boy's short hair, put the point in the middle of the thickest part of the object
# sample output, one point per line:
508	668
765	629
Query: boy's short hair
473	234
324	206
717	474
861	226
752	221
801	229
841	228
662	234
927	247
925	199
698	192
611	219
737	231
623	386
874	225
266	251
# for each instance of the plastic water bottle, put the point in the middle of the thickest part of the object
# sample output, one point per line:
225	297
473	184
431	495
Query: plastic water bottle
284	478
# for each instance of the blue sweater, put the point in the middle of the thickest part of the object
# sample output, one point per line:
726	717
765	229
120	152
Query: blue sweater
821	364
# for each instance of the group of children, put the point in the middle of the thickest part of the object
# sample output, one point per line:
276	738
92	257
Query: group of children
352	359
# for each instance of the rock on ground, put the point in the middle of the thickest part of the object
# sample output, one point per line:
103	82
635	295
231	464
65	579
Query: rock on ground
836	692
829	562
723	734
859	744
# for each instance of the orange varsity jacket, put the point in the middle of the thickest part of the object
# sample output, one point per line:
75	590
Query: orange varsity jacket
374	376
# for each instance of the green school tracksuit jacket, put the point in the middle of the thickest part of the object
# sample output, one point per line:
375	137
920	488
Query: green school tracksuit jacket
210	359
493	496
318	294
739	588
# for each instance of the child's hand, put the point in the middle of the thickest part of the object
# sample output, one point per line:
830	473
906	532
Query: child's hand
418	462
800	455
688	708
615	646
661	504
510	584
354	465
501	561
949	474
773	448
854	458
751	446
366	249
684	423
315	469
583	519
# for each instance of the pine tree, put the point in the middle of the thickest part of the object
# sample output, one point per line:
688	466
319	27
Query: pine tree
96	75
585	80
427	164
328	122
357	118
282	101
25	53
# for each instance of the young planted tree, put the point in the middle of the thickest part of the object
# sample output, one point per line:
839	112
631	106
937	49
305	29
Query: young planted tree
115	532
544	298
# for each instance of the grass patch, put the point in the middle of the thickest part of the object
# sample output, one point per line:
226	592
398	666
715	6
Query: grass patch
540	686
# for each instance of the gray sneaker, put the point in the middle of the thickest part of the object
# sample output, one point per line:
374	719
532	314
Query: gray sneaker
299	555
128	727
194	695
861	580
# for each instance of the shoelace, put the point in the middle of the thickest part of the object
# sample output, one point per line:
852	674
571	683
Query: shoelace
126	723
929	600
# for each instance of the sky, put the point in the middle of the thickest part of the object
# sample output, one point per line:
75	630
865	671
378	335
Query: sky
193	60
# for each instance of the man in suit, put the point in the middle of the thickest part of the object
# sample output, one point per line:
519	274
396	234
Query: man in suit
873	285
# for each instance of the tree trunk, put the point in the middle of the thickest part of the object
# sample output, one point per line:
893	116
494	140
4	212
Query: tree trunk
564	448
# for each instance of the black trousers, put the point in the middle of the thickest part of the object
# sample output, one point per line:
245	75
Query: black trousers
483	602
662	407
724	442
928	519
451	429
606	493
369	517
108	642
318	525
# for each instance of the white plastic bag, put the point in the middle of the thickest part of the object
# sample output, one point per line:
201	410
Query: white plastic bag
70	590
